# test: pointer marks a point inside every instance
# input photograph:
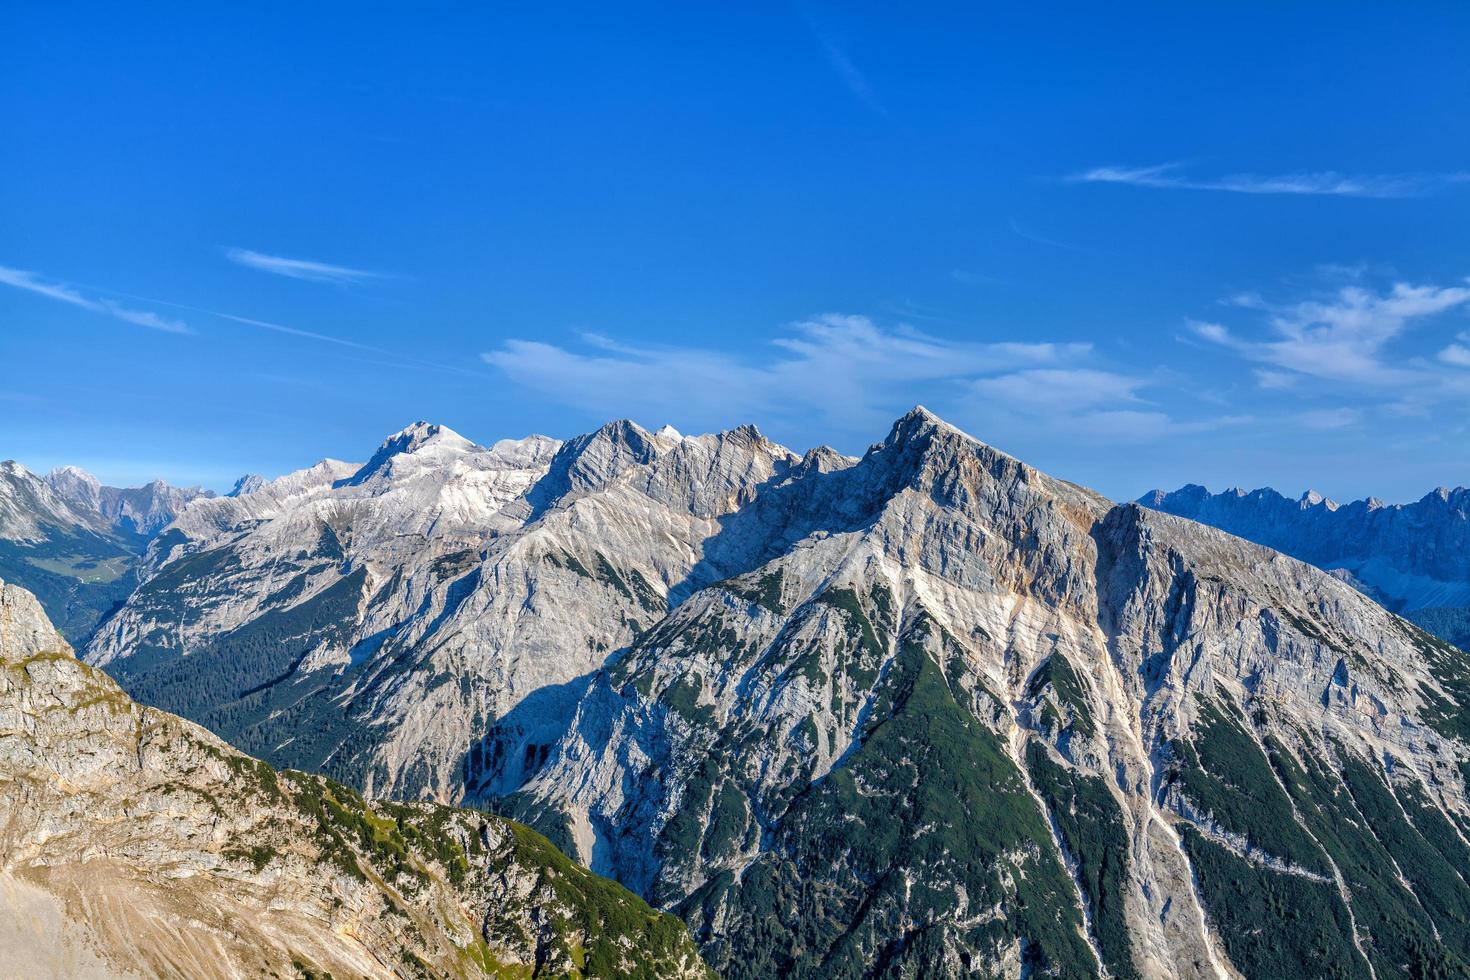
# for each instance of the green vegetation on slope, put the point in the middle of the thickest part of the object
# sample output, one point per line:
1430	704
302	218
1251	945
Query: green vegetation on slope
1331	796
79	580
1092	828
886	866
1223	773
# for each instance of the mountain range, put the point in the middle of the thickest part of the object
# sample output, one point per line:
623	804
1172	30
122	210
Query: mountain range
925	712
75	543
1413	558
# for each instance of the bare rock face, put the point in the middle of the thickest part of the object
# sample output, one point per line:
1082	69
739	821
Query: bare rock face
137	844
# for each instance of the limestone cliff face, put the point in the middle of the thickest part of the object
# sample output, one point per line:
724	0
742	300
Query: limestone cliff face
134	843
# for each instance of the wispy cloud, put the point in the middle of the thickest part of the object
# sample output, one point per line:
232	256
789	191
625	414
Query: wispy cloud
1061	389
306	269
842	65
1327	419
846	370
969	278
297	332
1032	236
1145	425
1169	176
64	293
1341	337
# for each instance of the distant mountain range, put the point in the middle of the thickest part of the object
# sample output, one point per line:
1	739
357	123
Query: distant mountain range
1413	558
75	543
926	712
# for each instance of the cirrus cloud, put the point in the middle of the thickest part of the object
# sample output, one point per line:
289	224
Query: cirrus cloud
64	293
304	269
1168	176
845	370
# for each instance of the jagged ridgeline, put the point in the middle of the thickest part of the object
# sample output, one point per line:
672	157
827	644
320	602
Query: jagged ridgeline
1412	558
929	712
137	844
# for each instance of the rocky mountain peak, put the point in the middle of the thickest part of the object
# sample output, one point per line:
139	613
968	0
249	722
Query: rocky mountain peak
76	486
591	461
249	483
410	441
1313	498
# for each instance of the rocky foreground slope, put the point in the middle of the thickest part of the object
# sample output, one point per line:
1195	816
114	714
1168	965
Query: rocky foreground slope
929	712
1413	558
134	843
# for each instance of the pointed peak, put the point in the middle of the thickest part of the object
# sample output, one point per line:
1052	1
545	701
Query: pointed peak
406	442
71	473
667	431
593	459
247	484
920	424
413	437
824	459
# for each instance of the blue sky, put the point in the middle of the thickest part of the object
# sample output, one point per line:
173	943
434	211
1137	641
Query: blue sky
1225	244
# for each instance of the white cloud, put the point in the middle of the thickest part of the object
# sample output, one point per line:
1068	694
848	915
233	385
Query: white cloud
1137	425
1276	380
1343	337
1059	389
1456	354
1327	182
297	268
29	281
1330	418
846	370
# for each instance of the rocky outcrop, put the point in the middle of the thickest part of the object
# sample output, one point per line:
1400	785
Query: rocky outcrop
137	844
